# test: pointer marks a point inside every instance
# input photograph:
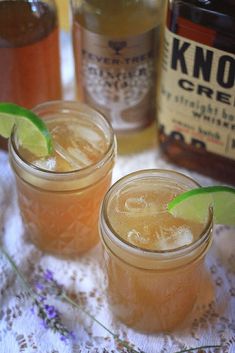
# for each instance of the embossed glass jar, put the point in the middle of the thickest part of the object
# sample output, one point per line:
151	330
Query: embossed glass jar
60	209
150	290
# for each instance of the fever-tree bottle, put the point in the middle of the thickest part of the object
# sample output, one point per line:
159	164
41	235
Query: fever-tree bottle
197	95
116	48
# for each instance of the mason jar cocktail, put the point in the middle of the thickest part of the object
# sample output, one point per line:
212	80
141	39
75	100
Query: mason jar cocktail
154	262
59	196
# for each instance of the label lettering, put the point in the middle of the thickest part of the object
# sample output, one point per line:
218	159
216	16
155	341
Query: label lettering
178	56
203	63
197	96
223	81
117	76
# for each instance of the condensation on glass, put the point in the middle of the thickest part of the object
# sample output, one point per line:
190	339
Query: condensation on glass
153	281
59	196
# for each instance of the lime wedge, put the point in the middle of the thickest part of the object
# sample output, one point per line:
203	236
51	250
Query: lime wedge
31	131
194	204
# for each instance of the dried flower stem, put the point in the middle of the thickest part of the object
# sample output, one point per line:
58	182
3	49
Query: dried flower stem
66	298
197	348
73	303
18	272
116	337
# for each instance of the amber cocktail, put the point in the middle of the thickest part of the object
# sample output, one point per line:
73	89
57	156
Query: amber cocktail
154	262
60	195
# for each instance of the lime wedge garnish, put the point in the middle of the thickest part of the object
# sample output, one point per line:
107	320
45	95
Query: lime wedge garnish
32	133
194	204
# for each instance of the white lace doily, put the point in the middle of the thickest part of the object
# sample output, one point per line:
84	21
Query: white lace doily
212	321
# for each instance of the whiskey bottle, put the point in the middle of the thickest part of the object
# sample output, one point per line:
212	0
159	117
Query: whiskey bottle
29	53
197	94
116	50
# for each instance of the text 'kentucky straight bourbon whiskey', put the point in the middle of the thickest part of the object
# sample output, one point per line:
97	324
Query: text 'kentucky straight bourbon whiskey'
197	94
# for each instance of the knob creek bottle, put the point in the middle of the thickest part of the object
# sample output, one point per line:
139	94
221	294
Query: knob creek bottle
197	94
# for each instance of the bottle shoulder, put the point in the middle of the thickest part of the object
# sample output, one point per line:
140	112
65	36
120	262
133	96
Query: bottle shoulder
225	7
213	21
213	13
23	22
118	18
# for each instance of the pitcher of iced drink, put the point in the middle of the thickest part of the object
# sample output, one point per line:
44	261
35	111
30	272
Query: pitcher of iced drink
29	52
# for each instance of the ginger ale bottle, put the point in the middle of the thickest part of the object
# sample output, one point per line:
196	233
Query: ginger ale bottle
116	49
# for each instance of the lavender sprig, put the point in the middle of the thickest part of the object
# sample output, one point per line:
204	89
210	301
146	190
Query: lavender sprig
51	317
45	283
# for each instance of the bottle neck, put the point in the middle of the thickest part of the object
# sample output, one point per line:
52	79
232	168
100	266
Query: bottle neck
210	23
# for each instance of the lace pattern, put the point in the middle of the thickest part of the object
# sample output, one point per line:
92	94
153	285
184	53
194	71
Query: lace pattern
211	322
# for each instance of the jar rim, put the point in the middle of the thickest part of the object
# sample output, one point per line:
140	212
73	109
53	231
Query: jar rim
74	107
136	250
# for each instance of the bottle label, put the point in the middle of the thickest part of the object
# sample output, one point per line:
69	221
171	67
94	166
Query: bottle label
118	76
197	95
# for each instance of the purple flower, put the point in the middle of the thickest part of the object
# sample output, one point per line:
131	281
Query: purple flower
48	275
39	286
63	338
51	311
72	335
46	286
41	298
67	335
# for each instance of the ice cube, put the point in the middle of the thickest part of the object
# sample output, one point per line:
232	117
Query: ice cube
89	134
79	156
46	164
66	156
136	237
93	137
174	237
135	204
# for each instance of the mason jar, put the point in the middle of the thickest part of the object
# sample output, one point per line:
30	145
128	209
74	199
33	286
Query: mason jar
153	262
59	196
